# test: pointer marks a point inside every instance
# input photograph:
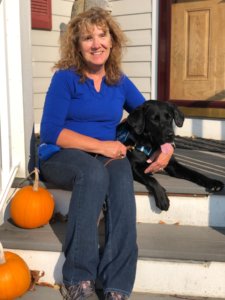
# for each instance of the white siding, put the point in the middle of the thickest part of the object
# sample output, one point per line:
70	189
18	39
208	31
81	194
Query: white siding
135	17
45	52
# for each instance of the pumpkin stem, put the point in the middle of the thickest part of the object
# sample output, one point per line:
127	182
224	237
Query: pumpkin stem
36	180
2	255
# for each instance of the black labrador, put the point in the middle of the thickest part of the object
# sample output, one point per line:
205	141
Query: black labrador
145	130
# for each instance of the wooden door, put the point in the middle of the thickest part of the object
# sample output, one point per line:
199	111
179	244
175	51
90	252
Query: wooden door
195	53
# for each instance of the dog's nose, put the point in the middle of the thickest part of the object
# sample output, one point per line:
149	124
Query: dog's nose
170	135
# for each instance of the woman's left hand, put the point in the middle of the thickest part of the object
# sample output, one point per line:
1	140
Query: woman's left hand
160	159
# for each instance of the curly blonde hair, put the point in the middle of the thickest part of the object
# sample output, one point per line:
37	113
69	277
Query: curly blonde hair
71	56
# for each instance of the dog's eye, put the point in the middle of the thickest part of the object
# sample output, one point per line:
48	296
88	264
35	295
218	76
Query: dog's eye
156	118
168	116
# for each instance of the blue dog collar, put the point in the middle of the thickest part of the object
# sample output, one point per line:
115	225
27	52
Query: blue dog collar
123	135
146	150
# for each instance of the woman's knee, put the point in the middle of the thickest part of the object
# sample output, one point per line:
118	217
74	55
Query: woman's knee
120	170
93	173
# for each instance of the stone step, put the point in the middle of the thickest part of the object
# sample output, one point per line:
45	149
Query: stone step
173	259
42	293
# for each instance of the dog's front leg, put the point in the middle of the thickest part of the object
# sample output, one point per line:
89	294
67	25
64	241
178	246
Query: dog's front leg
153	186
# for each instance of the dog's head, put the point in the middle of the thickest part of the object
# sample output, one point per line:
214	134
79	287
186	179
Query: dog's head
152	122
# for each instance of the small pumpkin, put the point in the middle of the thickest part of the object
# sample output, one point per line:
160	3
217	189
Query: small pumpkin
15	275
32	206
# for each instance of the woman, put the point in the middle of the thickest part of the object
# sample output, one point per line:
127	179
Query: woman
83	107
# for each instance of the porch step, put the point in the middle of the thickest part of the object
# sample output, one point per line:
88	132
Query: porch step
190	204
187	260
192	209
42	293
173	259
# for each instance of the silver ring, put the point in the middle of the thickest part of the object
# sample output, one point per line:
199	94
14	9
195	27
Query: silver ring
120	154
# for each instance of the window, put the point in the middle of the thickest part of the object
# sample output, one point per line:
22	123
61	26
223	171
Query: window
41	14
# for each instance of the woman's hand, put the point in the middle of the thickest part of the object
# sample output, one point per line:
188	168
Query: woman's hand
113	149
160	159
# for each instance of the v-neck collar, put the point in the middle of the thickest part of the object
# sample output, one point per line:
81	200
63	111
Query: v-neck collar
92	85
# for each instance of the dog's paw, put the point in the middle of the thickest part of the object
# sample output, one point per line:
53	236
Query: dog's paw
162	201
215	186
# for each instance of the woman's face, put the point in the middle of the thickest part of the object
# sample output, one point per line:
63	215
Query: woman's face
95	47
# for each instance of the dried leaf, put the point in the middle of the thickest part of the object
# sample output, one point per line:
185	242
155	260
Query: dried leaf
35	276
58	217
161	222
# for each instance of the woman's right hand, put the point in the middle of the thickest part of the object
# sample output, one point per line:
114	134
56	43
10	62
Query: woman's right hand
113	149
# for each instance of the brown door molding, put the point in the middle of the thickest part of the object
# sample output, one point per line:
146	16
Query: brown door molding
207	108
164	41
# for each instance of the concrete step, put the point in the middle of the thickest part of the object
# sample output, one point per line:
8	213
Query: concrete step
42	293
173	259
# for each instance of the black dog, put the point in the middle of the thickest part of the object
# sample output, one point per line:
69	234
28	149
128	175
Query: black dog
146	129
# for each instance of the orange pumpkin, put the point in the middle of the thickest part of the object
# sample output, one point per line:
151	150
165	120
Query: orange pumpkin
32	206
15	276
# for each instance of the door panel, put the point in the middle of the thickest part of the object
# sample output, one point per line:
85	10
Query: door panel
197	57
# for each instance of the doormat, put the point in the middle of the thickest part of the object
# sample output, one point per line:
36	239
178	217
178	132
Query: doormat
197	143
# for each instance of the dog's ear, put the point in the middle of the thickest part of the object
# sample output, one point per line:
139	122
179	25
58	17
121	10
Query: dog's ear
177	115
136	120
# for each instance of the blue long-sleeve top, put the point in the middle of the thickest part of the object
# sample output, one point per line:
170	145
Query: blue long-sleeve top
79	107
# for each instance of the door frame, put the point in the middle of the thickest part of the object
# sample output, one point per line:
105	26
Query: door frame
195	108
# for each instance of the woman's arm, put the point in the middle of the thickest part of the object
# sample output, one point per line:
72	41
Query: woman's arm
70	139
160	159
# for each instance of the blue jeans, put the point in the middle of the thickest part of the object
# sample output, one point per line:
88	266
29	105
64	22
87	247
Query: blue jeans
94	180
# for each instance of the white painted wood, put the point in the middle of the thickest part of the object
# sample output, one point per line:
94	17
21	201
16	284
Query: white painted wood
153	276
42	69
147	96
48	38
143	84
40	85
61	8
16	90
37	116
57	20
135	54
139	37
126	7
155	20
45	54
135	22
137	69
191	211
5	150
39	100
49	262
212	129
181	277
184	210
18	78
6	192
14	83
